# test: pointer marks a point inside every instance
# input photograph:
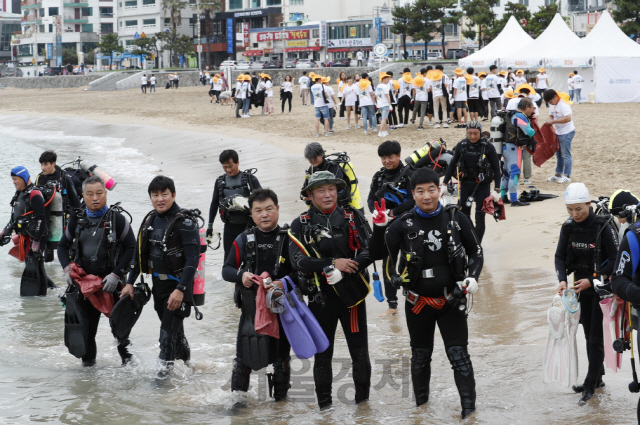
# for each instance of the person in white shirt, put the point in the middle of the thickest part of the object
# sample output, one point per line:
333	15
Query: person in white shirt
460	97
238	96
577	87
484	99
153	84
366	97
304	82
349	99
541	82
287	92
342	80
332	101
216	86
404	98
504	83
176	80
383	102
525	90
439	83
245	92
268	94
473	101
321	104
170	80
143	83
519	79
494	89
570	85
420	97
359	57
560	116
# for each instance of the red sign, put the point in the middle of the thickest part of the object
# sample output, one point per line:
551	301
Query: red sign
288	35
245	34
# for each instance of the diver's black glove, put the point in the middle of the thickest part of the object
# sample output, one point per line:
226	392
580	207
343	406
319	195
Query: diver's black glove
602	288
4	239
451	188
210	231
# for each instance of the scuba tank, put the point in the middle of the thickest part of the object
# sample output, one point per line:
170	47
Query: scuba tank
497	133
109	182
345	163
433	155
56	225
198	279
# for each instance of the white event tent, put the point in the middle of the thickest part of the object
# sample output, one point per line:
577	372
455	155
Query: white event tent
510	39
606	53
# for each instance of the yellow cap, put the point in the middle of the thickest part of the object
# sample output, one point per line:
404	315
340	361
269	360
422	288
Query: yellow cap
469	78
363	83
396	84
435	75
458	71
525	86
383	75
565	96
519	72
541	70
406	77
509	94
418	81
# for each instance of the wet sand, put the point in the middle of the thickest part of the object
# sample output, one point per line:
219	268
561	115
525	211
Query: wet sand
508	324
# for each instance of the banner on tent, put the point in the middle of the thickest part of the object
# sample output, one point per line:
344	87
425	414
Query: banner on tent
617	80
568	63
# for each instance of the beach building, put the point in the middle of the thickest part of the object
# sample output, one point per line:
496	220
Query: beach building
9	24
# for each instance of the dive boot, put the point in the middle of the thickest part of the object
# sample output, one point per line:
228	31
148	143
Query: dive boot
362	376
88	362
580	388
183	351
421	374
240	376
322	377
165	370
463	375
125	355
587	393
280	380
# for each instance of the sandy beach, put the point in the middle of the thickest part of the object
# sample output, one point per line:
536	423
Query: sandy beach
518	252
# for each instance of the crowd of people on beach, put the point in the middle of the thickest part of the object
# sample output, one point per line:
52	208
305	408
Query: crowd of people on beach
420	228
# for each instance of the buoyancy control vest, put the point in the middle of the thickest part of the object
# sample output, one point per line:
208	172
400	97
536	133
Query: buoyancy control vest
340	238
227	211
96	243
581	265
515	135
482	170
394	188
340	165
252	247
160	247
412	254
22	215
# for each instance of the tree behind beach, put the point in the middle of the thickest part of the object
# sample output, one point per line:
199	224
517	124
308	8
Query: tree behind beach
174	9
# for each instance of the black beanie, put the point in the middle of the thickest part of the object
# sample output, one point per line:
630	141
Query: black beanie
619	199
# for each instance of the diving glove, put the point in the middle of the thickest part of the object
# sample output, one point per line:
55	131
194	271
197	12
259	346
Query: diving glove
451	188
332	274
110	283
4	239
471	285
381	216
67	276
602	288
209	232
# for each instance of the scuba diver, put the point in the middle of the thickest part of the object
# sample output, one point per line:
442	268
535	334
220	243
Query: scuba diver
230	195
315	154
171	257
263	248
519	136
393	184
441	260
329	245
587	248
54	176
477	164
95	250
29	221
617	202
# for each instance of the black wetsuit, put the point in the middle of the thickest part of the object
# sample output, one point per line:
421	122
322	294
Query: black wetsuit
62	180
29	219
170	273
470	182
379	179
344	197
267	257
234	223
92	255
353	320
431	248
576	253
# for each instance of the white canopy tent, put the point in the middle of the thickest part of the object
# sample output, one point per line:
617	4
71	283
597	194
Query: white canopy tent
510	39
608	56
553	39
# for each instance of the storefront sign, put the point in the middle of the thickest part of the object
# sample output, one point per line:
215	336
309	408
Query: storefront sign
323	33
350	42
245	34
250	14
288	35
49	51
58	53
297	43
352	32
230	35
377	24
